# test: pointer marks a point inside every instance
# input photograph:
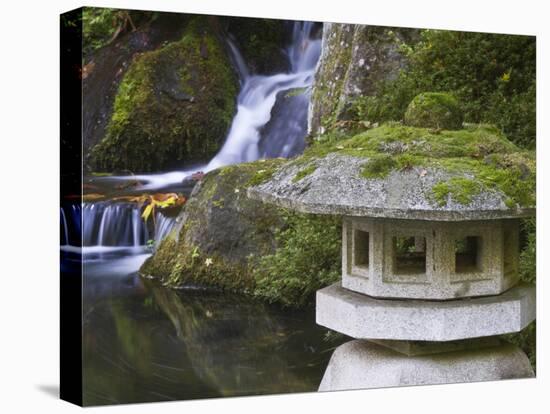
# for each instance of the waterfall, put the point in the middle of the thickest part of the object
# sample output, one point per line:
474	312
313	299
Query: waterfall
163	227
257	99
237	60
111	224
270	122
257	130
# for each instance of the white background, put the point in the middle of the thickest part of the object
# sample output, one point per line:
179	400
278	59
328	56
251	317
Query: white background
29	230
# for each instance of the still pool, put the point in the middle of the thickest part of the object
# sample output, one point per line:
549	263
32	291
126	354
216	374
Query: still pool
144	342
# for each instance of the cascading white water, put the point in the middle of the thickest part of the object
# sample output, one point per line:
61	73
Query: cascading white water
257	99
163	227
256	132
107	224
247	139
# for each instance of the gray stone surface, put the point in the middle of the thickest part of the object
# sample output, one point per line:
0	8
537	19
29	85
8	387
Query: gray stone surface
363	317
413	348
337	187
496	256
355	60
360	364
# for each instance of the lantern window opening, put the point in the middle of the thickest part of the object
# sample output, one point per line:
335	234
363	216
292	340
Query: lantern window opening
361	248
468	254
409	255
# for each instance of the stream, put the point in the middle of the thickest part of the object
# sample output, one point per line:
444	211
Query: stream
144	342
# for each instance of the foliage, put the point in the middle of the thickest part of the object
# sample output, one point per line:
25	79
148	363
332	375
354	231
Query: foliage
100	26
261	42
528	258
149	202
527	338
159	200
492	76
307	258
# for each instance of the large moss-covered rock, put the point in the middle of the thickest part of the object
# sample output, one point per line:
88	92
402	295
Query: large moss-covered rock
173	105
227	240
104	69
434	110
355	61
220	230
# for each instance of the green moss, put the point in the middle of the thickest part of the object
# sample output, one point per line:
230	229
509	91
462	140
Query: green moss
379	166
481	152
434	110
173	105
195	267
392	138
295	92
461	190
330	84
163	261
263	171
310	169
492	75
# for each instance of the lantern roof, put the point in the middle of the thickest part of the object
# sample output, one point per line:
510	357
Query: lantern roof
413	173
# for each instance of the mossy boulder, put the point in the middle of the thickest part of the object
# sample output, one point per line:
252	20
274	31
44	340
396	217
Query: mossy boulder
105	68
434	110
174	105
229	241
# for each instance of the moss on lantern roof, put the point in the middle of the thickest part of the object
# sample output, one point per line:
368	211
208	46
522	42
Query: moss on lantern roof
464	172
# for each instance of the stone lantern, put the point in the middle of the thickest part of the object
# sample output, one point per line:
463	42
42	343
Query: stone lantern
427	287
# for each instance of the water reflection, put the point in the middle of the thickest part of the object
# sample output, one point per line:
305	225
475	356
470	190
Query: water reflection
143	342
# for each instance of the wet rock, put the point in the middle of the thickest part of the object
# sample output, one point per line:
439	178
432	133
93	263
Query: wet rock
288	124
105	68
261	42
355	60
174	105
220	223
